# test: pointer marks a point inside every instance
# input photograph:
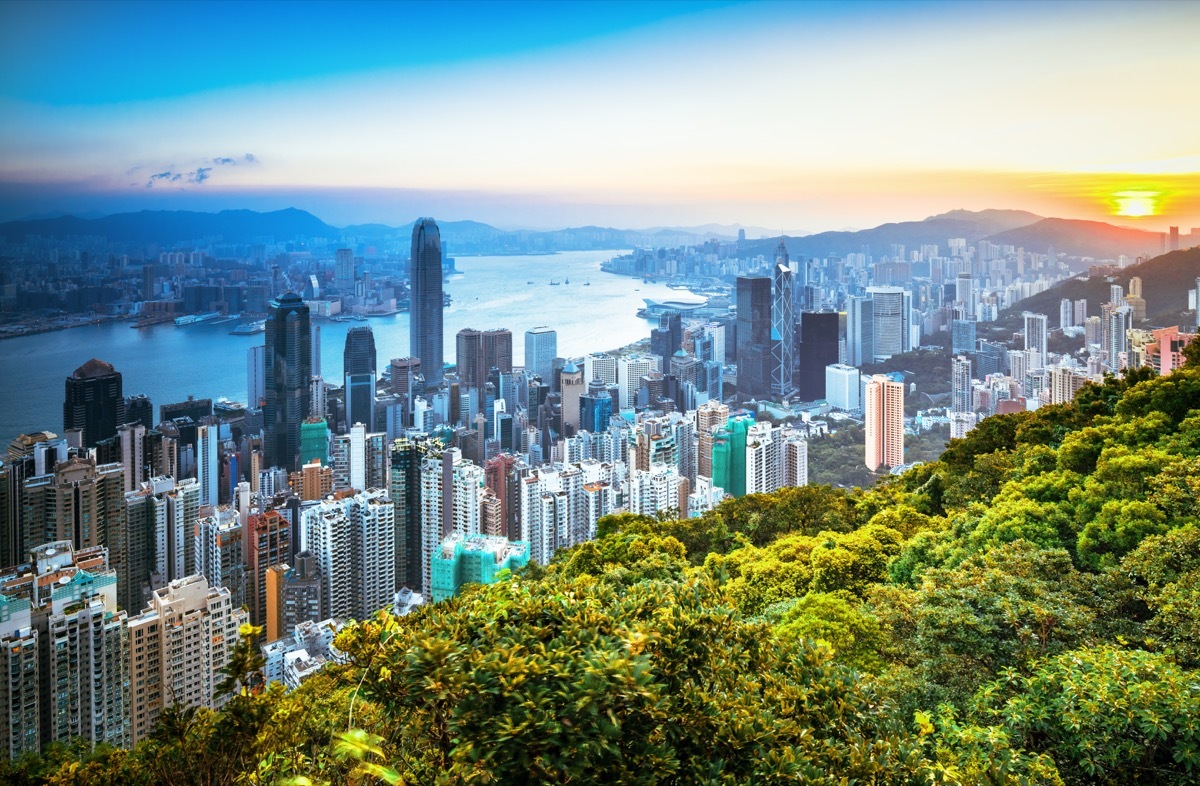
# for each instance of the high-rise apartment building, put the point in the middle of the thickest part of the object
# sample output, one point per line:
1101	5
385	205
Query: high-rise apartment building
94	402
1066	314
404	489
208	464
288	373
710	416
78	501
220	552
352	536
64	647
1036	335
293	595
268	542
360	459
1117	320
425	308
178	646
884	422
451	496
961	385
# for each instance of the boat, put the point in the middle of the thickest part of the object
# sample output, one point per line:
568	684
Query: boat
553	283
528	282
568	281
192	319
587	283
250	328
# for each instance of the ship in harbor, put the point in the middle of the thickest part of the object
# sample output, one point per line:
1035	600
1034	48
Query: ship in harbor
192	319
250	328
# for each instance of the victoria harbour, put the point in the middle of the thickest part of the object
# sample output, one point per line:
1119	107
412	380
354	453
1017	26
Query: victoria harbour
595	311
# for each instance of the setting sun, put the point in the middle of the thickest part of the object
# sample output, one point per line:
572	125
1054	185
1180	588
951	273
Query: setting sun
1136	204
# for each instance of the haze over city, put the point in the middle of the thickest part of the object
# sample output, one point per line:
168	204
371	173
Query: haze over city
799	116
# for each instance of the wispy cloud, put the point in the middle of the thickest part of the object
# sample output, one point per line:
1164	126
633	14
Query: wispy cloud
163	177
200	174
249	158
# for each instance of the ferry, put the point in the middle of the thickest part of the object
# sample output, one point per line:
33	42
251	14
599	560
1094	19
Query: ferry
250	328
192	319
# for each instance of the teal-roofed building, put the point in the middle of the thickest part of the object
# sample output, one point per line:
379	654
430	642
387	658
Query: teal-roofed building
314	441
475	559
729	456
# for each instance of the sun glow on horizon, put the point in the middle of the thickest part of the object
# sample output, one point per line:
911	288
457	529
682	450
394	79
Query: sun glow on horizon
1136	204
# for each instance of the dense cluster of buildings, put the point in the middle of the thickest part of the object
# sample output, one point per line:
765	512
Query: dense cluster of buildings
140	547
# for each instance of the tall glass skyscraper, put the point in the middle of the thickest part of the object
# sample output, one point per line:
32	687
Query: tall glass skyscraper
425	308
94	402
288	371
358	369
753	337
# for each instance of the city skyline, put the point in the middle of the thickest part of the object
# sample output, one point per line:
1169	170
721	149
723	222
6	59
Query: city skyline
802	116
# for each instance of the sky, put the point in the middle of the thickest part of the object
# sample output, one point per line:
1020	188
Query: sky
805	116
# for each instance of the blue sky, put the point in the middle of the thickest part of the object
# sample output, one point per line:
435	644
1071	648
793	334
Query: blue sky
804	115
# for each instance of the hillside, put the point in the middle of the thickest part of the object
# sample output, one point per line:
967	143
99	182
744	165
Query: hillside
1024	610
171	226
1094	239
1166	280
935	230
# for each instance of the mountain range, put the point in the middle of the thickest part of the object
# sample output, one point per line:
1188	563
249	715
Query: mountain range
1012	227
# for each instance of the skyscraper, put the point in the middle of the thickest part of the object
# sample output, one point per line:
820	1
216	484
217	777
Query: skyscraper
818	349
425	307
288	373
753	337
860	330
343	271
783	330
94	402
1035	335
358	369
541	347
891	319
667	338
961	384
884	422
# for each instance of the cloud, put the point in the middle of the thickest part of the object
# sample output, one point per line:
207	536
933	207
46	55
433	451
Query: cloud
200	174
163	177
249	158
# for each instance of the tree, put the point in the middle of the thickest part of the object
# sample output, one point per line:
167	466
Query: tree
1107	715
657	683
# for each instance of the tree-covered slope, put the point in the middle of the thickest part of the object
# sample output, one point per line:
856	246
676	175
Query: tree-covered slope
1024	610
